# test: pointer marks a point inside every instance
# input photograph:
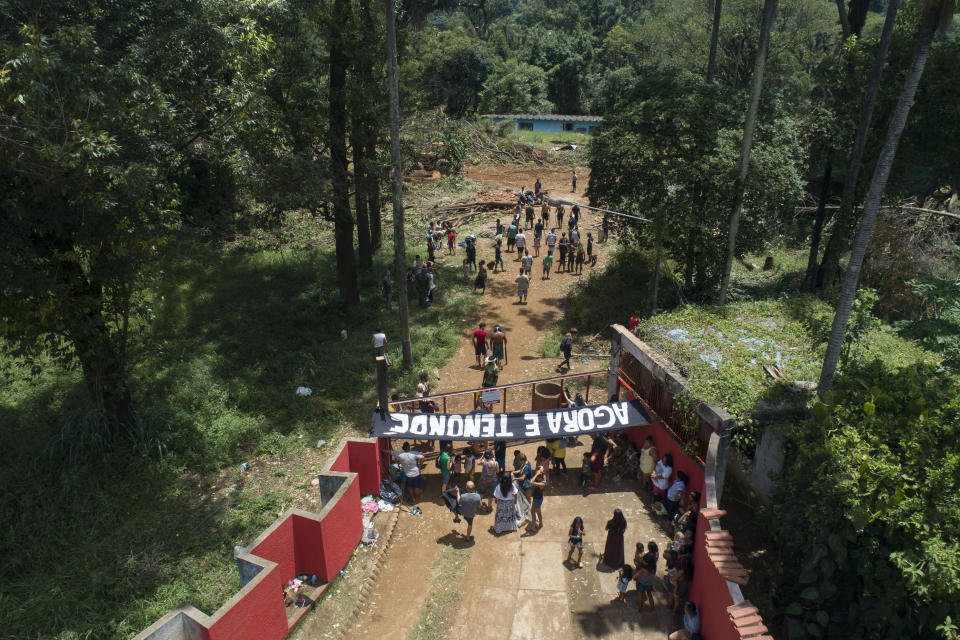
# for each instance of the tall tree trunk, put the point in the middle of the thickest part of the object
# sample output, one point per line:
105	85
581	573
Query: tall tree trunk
714	37
342	218
360	195
929	23
811	275
656	278
399	237
373	190
766	25
841	228
857	16
844	21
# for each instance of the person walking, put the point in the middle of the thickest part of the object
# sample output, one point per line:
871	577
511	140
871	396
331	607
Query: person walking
499	343
491	372
551	241
575	541
505	494
498	257
560	213
574	180
451	241
431	284
469	500
388	289
613	548
511	236
547	263
521	242
536	504
446	456
564	244
480	282
527	263
566	348
571	257
410	463
580	258
576	213
575	236
538	236
378	342
528	211
480	343
523	286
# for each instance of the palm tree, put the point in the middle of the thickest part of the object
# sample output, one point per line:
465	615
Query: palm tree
935	16
714	36
854	163
766	25
399	237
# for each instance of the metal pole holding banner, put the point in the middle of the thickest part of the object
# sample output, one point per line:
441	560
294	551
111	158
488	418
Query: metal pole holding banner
382	384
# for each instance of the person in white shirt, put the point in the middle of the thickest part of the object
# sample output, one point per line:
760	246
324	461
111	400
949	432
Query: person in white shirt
521	241
551	241
675	493
523	285
661	476
410	462
378	342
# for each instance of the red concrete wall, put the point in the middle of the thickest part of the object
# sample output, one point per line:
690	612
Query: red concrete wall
709	591
258	615
364	460
279	547
667	443
323	547
309	551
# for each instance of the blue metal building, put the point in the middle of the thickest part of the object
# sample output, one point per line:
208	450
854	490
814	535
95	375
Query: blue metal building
550	122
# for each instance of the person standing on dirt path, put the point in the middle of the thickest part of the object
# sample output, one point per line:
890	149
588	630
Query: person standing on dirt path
480	282
521	242
491	372
547	263
574	236
498	231
469	500
571	222
511	236
559	215
604	227
566	348
444	461
571	257
410	462
527	263
581	254
590	258
471	250
529	216
537	187
576	213
497	257
564	243
480	343
538	234
498	341
451	241
523	286
574	181
551	241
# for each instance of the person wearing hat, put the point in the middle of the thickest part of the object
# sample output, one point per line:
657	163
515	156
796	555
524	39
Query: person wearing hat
491	372
499	343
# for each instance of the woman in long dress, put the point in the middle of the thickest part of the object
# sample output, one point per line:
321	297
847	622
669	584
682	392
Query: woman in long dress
506	493
613	549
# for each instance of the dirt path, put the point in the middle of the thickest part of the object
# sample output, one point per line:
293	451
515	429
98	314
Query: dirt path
402	586
525	325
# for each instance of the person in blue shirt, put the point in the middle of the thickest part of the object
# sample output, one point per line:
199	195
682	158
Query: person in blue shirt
691	624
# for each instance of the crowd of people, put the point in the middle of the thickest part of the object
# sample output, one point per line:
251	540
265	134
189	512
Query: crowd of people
476	479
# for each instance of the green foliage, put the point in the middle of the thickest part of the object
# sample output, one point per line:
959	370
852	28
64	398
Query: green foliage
515	87
669	153
866	511
108	539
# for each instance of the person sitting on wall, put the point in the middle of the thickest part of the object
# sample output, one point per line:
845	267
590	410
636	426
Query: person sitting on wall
691	624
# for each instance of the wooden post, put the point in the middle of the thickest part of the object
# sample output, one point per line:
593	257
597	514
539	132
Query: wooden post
382	384
533	397
586	395
616	347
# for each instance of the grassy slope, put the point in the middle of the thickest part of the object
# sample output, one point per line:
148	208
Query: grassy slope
106	547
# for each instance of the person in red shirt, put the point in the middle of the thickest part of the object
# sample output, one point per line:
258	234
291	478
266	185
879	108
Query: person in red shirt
480	344
634	321
451	241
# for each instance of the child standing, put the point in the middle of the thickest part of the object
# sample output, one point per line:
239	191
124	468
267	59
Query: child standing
645	579
576	541
470	462
457	468
623	582
586	475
